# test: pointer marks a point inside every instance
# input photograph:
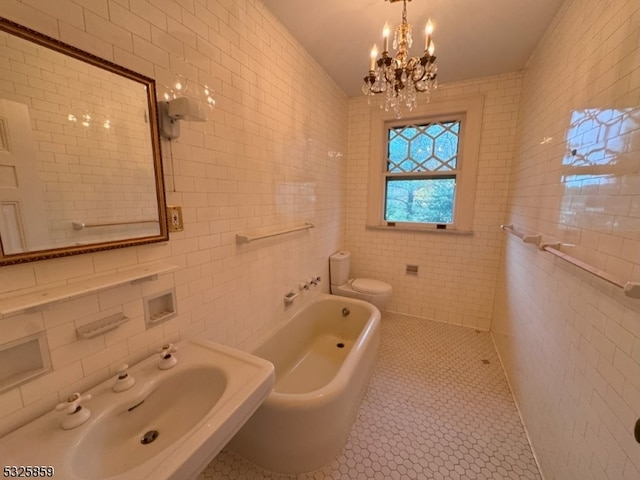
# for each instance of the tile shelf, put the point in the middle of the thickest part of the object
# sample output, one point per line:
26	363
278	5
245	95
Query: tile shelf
39	298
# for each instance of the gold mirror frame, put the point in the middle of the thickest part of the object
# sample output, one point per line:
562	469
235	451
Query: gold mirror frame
30	35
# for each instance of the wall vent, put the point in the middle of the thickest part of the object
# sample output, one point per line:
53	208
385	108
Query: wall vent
412	270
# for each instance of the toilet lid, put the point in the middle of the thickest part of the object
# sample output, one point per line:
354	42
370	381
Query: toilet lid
367	285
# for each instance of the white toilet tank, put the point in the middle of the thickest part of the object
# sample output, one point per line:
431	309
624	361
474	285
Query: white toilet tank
339	265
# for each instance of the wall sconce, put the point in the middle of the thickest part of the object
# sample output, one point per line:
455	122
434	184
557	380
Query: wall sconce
182	108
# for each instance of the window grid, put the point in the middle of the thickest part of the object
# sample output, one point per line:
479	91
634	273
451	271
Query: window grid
428	147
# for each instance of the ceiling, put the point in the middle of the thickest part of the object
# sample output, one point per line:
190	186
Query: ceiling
473	38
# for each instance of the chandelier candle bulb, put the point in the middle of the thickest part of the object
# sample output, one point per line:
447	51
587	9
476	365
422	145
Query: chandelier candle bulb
374	54
428	30
385	36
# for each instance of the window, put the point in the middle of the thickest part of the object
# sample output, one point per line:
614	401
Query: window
420	180
423	168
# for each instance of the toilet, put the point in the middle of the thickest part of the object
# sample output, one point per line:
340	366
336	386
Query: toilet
372	291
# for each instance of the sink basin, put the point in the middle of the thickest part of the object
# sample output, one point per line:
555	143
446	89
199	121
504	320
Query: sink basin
170	424
140	431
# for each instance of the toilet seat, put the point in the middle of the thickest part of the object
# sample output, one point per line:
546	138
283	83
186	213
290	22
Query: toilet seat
369	286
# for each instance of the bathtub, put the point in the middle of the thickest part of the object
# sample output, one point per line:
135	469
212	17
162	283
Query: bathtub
323	359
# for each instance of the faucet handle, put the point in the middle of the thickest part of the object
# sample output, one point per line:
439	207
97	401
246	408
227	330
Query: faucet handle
73	403
124	381
167	360
76	414
167	350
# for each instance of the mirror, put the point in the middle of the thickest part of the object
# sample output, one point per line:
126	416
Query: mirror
80	162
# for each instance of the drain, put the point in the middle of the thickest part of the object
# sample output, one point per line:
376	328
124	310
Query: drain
149	437
340	345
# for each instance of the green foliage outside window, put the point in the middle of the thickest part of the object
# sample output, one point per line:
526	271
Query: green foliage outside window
428	201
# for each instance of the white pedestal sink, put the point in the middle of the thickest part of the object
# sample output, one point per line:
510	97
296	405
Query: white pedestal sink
169	425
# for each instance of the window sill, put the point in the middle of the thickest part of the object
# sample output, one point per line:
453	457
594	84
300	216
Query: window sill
439	231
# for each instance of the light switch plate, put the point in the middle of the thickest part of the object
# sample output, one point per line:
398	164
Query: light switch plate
174	215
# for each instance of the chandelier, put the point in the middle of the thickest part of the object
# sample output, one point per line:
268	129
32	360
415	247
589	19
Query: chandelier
399	79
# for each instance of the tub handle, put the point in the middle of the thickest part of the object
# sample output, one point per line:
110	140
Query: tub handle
345	312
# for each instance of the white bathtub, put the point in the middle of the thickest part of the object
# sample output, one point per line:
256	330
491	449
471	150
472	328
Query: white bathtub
323	361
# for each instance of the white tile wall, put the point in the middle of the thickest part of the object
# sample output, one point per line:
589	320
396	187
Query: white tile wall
571	343
270	156
457	274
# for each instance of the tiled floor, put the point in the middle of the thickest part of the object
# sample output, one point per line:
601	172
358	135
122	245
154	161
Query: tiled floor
435	409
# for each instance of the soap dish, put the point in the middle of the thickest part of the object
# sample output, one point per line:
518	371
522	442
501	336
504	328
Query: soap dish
101	326
160	307
290	297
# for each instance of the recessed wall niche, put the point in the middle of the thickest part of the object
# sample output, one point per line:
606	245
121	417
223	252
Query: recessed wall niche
23	359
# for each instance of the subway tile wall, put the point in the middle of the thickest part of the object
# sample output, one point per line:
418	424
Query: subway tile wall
457	274
271	155
570	343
